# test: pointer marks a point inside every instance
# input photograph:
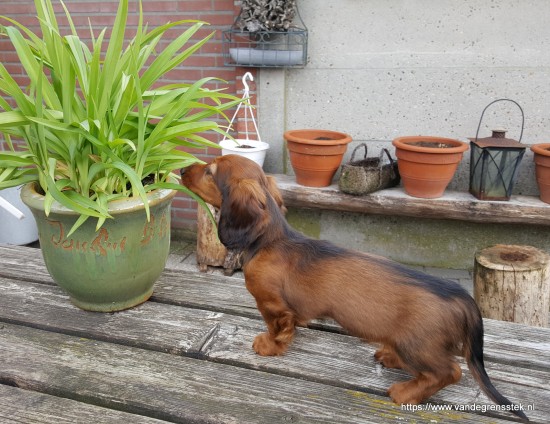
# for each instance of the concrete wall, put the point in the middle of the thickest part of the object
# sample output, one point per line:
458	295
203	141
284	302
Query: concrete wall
379	69
415	241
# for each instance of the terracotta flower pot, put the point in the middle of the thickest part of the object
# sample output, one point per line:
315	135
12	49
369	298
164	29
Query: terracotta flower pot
315	155
542	169
427	164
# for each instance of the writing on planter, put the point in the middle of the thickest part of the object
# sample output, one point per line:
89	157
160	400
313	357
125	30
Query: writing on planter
149	229
100	245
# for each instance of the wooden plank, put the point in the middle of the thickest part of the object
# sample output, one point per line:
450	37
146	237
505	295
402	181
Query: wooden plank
460	206
174	286
507	343
194	289
511	343
228	295
183	389
339	360
16	261
501	355
521	343
333	359
25	406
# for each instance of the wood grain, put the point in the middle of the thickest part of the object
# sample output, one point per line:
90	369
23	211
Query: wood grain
329	358
199	328
512	283
25	406
180	389
459	206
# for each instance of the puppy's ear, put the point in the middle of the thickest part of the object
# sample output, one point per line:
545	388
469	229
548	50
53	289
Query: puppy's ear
242	214
275	193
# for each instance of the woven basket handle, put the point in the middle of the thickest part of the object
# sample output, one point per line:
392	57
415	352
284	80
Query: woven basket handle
392	161
357	148
387	154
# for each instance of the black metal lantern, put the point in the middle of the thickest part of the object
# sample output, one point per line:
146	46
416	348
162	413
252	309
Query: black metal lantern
494	161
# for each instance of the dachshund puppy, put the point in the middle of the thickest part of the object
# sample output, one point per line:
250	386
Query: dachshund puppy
420	321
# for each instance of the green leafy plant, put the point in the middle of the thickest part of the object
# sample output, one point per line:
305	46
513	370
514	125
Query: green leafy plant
95	125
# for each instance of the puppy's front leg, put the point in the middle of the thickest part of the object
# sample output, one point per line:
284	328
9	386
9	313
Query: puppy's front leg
280	321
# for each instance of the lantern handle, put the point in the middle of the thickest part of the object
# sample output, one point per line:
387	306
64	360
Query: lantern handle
499	100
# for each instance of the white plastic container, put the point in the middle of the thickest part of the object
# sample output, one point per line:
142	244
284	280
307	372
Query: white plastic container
14	230
256	152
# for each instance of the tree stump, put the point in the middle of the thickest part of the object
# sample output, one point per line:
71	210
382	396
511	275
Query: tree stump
210	251
512	283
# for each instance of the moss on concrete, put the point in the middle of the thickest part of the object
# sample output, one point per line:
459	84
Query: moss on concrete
423	242
415	241
307	221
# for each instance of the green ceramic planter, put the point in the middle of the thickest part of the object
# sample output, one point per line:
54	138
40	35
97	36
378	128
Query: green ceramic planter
113	268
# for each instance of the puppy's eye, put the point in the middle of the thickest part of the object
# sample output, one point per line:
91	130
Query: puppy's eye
207	171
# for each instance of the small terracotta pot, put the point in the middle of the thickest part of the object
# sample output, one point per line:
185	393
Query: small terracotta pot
542	169
315	155
427	164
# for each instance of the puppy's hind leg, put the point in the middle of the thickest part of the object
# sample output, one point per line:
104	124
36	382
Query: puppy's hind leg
431	372
386	356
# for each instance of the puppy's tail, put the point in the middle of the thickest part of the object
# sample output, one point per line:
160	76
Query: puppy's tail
473	353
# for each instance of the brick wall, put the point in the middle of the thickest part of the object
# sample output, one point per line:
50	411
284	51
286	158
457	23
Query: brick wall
208	62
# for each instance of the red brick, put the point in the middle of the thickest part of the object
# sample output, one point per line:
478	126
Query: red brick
208	63
194	6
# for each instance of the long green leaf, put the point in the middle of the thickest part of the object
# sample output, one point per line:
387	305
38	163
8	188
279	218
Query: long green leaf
198	199
94	119
32	66
11	119
74	201
165	61
114	50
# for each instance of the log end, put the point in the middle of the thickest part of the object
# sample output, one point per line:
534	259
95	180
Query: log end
506	257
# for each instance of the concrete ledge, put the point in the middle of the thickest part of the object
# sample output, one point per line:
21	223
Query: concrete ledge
458	206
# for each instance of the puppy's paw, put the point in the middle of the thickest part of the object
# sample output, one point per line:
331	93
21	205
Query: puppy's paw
404	393
387	357
264	345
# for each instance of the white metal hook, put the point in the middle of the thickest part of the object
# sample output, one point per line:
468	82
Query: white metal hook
247	109
246	76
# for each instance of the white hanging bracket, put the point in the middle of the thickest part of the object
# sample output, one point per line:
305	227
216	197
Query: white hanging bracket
246	76
248	109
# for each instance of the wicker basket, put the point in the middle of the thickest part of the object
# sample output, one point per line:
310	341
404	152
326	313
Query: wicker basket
368	174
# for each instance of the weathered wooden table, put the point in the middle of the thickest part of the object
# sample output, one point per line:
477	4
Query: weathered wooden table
186	356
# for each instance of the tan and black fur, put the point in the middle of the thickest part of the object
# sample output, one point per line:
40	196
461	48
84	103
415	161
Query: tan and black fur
420	321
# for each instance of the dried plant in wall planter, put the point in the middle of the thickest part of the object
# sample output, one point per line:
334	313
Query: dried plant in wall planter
267	15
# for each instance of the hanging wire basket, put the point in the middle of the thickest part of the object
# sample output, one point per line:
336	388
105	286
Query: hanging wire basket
266	48
252	148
